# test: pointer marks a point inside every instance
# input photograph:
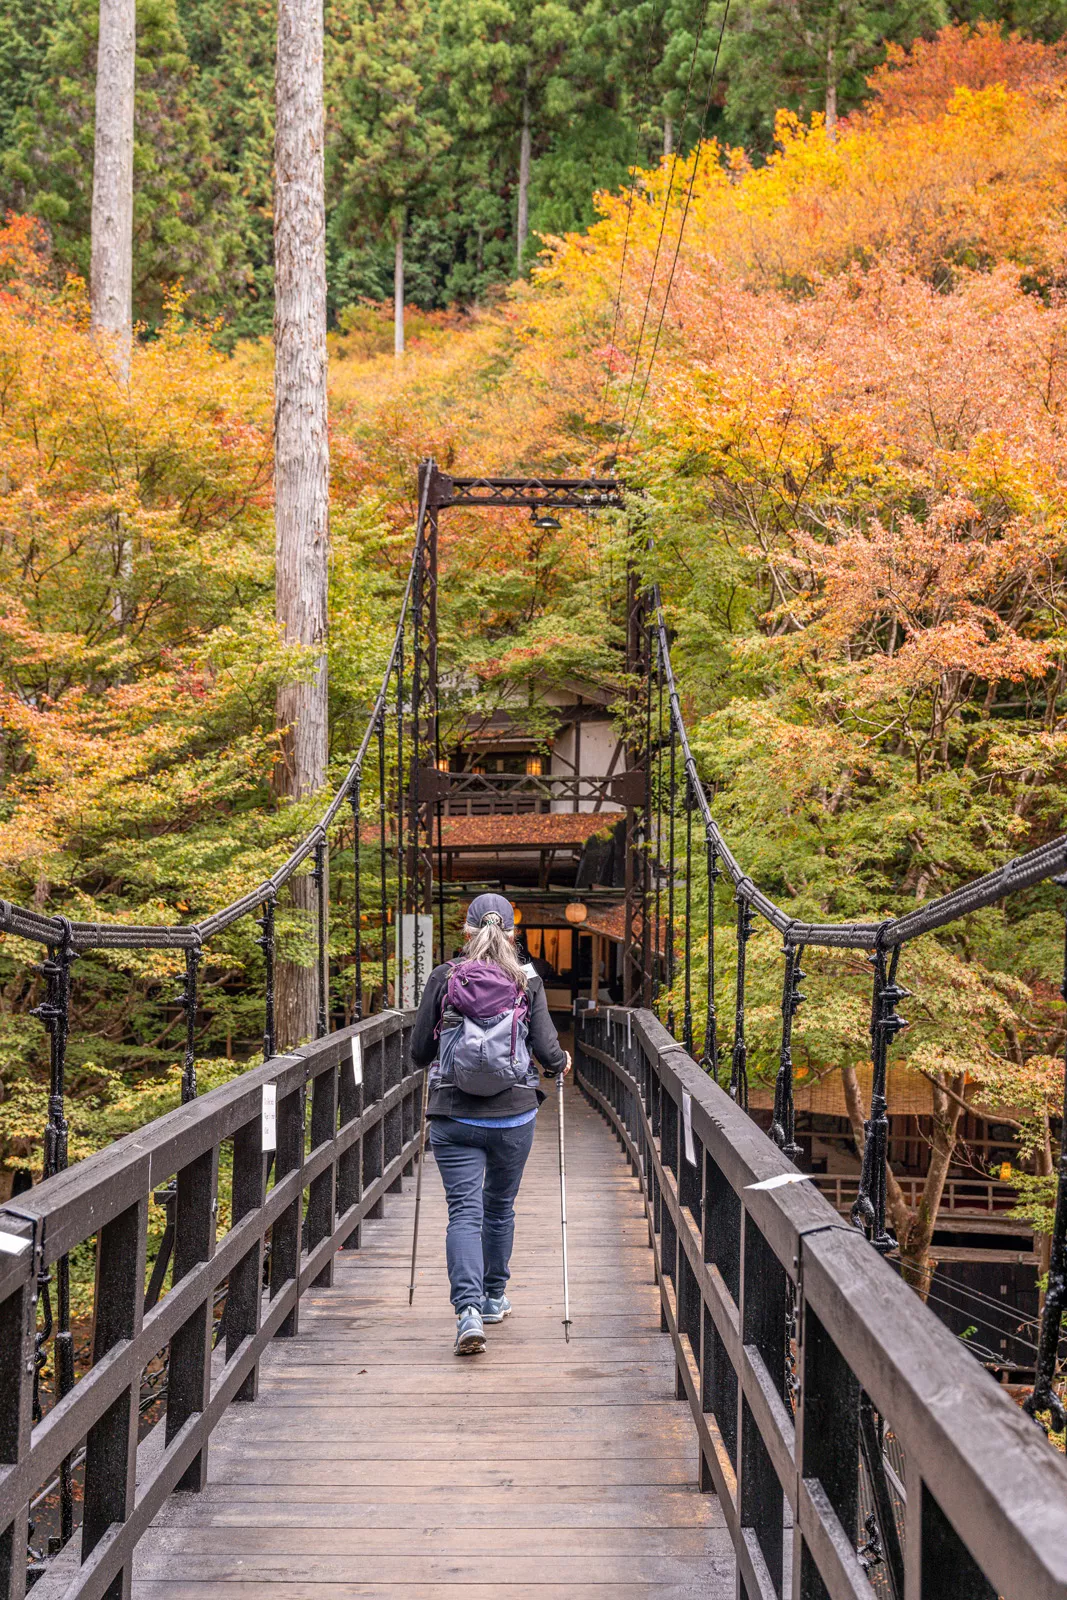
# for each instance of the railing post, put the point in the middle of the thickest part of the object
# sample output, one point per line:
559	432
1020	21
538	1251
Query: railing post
784	1119
1043	1397
393	1121
739	1059
189	1379
244	1297
763	1309
54	1013
827	1441
868	1212
18	1346
188	1000
672	800
266	944
374	1139
401	900
318	878
382	859
286	1232
350	1161
687	1015
357	900
111	1445
323	1191
710	1059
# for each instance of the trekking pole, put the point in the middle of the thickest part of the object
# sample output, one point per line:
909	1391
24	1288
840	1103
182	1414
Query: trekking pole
418	1186
563	1211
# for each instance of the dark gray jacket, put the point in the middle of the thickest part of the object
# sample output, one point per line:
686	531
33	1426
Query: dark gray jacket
448	1101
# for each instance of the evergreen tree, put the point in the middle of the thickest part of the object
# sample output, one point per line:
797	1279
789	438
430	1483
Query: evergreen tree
1037	19
24	31
231	46
183	214
808	55
509	69
385	138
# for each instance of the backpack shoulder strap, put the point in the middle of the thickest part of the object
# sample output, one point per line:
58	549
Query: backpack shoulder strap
451	965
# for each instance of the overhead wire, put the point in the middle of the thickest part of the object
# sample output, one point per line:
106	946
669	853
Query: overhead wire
663	219
962	1311
654	16
988	1300
681	228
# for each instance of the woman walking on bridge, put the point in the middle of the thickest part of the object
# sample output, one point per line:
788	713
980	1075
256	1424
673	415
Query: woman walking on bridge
482	1022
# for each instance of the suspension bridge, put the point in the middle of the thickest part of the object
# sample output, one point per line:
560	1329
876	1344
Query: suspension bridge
753	1404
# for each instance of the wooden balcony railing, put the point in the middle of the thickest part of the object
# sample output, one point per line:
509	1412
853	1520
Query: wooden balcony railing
510	794
964	1195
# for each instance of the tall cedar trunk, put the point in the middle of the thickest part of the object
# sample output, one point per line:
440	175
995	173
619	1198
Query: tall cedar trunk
524	176
668	136
915	1228
398	292
111	248
301	443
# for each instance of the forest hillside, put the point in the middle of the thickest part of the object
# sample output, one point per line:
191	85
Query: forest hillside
836	400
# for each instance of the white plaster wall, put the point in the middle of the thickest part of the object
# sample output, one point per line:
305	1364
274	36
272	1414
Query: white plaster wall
597	748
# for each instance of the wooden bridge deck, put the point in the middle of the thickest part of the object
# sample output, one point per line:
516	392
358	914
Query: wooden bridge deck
376	1463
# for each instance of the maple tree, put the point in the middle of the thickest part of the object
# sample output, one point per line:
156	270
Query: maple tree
140	660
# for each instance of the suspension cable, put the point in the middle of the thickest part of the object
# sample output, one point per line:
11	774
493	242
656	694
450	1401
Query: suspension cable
663	219
653	20
681	231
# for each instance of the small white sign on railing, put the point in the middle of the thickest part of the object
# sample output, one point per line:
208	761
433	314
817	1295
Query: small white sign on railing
12	1244
687	1127
411	983
357	1060
269	1117
780	1179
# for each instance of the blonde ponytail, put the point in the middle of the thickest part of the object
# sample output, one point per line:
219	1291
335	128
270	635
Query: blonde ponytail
491	943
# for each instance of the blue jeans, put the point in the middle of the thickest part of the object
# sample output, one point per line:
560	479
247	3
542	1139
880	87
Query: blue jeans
481	1169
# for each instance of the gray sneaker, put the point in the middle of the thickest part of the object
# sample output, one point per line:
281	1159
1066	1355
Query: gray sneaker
496	1310
470	1335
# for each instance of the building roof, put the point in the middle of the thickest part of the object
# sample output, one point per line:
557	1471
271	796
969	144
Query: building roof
530	831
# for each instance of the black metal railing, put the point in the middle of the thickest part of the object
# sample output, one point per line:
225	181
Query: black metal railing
853	1452
673	784
335	1122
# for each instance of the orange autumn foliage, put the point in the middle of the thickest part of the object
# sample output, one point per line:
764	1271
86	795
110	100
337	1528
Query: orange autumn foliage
920	81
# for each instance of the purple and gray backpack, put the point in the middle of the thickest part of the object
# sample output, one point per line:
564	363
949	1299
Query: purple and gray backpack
483	1030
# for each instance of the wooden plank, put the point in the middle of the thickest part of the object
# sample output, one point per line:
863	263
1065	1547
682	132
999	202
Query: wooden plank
419	1570
256	1506
219	1546
429	1473
694	1588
